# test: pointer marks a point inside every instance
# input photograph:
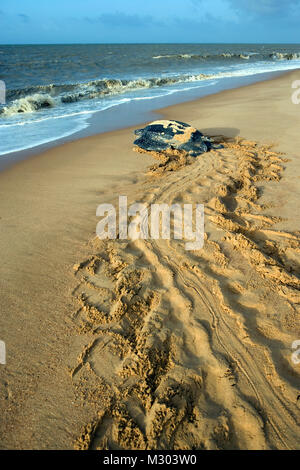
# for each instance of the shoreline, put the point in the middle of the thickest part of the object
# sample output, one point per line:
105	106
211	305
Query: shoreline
116	118
48	214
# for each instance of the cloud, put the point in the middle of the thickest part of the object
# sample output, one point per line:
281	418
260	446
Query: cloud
266	7
253	8
217	10
24	17
119	19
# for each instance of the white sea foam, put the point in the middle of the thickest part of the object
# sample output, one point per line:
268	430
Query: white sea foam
29	104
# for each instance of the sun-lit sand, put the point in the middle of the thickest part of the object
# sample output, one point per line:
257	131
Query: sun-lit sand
143	345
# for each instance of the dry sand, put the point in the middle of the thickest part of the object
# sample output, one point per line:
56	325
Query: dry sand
142	345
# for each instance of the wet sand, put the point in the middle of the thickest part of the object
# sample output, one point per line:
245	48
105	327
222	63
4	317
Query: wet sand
143	345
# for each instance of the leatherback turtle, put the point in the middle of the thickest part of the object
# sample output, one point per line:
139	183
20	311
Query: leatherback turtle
160	136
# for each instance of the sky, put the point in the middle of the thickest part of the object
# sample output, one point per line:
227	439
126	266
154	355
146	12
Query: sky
155	21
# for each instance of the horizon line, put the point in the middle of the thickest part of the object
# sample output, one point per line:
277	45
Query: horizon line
144	43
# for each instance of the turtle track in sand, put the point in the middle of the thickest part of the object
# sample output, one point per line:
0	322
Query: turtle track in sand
191	350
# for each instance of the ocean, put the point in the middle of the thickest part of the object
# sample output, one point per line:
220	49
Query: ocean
52	91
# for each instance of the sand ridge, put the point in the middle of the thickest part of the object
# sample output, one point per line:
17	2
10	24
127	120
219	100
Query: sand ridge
192	350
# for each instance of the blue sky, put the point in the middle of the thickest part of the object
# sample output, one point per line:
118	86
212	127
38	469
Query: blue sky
117	21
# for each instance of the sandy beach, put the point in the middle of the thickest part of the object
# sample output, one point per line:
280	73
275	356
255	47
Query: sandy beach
143	345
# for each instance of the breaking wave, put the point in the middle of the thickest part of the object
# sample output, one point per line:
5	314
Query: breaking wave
202	56
285	56
32	99
232	56
29	104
